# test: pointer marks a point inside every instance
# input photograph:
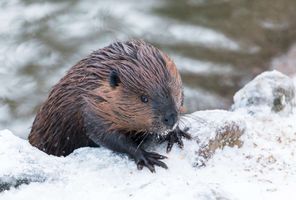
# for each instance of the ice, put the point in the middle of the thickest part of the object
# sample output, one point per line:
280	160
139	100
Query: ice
245	155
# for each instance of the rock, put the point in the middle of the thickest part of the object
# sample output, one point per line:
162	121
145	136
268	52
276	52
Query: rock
14	181
270	91
227	135
213	130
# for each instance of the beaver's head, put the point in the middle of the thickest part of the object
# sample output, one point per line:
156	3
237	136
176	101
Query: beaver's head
141	89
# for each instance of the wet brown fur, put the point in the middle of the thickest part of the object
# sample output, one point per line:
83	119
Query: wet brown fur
60	125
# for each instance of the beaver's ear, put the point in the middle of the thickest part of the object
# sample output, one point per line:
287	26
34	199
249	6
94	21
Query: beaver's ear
114	79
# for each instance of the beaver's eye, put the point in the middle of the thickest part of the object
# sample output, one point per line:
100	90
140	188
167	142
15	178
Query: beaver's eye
144	98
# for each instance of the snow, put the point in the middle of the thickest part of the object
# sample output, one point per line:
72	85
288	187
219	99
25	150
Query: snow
262	167
270	91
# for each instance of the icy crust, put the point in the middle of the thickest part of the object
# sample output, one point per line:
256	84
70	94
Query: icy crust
234	154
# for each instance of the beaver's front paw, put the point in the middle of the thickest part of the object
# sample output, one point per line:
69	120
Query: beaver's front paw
176	137
149	159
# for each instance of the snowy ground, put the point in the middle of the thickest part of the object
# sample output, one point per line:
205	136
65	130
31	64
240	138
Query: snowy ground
262	167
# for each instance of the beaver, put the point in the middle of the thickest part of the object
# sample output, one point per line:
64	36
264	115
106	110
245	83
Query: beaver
115	95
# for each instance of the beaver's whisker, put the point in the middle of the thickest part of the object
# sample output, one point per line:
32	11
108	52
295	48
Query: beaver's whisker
145	135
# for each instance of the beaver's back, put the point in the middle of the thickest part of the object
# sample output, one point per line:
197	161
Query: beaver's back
58	128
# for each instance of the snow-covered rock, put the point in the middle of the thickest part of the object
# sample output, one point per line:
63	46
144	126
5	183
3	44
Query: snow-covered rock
243	154
270	91
213	130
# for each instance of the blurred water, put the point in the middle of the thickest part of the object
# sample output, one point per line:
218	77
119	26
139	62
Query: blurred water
218	45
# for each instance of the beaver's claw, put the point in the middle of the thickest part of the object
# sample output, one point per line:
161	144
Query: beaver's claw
149	159
176	137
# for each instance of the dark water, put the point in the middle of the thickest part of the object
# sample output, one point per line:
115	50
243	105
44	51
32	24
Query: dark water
218	45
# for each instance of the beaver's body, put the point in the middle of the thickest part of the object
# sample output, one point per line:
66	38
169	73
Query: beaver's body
117	92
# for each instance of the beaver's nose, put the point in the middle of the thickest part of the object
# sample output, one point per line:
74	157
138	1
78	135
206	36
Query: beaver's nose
170	119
